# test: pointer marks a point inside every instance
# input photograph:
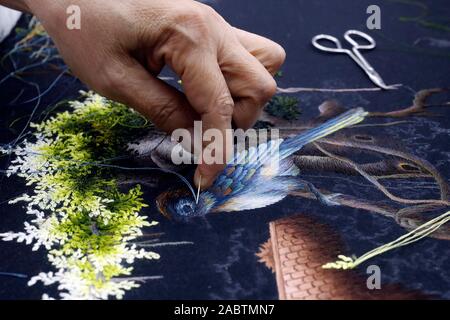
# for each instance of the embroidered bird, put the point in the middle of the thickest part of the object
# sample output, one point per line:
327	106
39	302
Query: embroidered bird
257	177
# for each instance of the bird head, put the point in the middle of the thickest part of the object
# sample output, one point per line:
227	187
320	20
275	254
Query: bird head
177	204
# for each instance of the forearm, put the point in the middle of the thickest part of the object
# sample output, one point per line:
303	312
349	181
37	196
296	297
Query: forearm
20	5
35	7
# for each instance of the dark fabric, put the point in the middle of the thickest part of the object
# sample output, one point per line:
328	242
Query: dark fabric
221	264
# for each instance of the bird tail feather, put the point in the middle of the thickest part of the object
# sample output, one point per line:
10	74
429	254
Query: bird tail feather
349	118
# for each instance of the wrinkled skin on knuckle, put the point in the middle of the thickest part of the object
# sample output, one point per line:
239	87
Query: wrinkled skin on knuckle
161	112
193	28
210	13
110	81
191	25
225	106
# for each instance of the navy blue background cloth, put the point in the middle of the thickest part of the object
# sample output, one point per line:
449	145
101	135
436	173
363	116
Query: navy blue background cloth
221	264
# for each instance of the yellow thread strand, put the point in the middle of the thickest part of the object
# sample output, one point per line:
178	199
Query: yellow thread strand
415	235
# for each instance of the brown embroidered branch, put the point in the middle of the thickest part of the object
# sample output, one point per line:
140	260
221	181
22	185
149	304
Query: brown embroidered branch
418	107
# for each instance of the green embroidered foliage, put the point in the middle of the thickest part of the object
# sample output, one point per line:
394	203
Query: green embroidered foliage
82	217
284	107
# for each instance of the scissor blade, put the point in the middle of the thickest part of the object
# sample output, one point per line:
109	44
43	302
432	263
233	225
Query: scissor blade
376	78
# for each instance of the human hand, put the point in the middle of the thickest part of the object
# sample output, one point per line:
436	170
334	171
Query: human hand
123	45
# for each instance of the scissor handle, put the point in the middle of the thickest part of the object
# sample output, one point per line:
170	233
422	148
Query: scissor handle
371	42
321	37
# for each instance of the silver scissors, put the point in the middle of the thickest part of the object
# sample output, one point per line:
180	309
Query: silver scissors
355	54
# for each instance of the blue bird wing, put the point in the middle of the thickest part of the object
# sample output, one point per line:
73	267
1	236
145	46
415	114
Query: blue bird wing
261	193
244	168
262	175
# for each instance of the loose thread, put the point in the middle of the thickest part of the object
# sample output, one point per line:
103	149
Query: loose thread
415	235
301	89
13	274
164	244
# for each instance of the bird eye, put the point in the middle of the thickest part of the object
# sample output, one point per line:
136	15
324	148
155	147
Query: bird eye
185	207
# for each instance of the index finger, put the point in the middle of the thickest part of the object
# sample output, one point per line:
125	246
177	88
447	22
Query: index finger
207	92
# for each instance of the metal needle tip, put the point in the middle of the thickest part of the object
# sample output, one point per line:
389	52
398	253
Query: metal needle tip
198	190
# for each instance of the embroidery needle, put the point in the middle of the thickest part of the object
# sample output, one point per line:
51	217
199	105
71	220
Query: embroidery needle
198	190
